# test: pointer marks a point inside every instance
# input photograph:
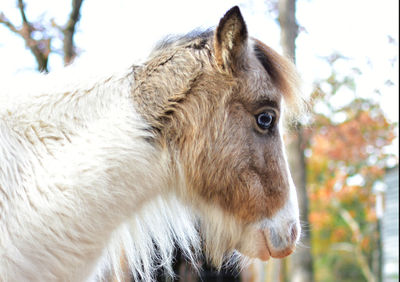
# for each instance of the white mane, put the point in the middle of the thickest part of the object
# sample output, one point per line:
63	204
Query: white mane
33	127
163	223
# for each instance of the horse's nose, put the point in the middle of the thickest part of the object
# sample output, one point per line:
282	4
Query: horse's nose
283	242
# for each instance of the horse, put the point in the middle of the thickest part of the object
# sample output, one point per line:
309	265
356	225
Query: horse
183	149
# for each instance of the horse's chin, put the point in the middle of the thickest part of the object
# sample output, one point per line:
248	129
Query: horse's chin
263	244
256	246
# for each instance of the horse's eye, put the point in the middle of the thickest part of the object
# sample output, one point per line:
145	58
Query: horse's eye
265	120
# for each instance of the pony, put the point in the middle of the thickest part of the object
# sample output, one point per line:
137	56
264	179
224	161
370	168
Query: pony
184	149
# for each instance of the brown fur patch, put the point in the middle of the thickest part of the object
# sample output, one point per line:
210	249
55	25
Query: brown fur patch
230	164
205	118
226	162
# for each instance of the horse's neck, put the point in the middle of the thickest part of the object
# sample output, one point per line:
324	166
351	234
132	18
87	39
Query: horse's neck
87	164
91	136
70	107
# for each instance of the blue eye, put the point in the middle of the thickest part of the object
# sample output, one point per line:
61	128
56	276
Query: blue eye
265	120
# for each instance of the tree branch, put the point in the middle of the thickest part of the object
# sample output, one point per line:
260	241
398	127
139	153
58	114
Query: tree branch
69	31
344	246
8	24
39	48
21	7
355	228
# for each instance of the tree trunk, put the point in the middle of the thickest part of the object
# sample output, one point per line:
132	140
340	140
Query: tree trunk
300	263
69	32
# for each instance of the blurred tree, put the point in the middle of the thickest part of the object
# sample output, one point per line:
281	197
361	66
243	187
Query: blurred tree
300	263
38	35
346	156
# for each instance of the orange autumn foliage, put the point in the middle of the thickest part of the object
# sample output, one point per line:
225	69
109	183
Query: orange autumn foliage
345	157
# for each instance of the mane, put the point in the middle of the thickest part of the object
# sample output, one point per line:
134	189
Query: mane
146	242
285	77
174	40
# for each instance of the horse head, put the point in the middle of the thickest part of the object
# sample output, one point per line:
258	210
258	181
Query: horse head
215	102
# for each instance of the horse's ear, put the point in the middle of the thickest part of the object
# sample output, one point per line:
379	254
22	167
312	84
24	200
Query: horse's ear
230	39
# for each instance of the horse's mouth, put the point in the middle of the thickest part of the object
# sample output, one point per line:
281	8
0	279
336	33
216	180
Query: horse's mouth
279	251
264	249
264	252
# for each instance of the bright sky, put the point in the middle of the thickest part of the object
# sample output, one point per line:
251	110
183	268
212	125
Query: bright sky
120	32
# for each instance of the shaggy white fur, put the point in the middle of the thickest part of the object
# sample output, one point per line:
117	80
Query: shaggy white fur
77	174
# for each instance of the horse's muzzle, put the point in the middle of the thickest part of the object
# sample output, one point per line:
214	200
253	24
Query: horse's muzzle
278	245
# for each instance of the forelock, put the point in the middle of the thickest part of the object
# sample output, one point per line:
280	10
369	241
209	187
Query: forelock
284	76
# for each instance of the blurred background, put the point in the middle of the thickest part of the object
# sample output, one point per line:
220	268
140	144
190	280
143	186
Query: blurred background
344	154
